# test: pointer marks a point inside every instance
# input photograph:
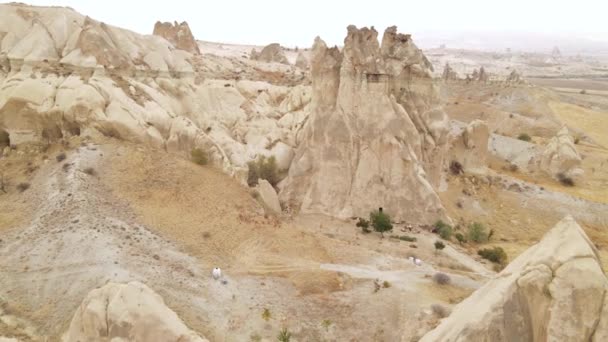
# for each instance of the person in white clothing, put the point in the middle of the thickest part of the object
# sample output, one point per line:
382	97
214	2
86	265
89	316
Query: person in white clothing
216	273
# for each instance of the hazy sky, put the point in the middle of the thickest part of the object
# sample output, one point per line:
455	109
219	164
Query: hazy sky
296	23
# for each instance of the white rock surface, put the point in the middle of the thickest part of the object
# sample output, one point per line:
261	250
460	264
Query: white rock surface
554	291
268	195
127	312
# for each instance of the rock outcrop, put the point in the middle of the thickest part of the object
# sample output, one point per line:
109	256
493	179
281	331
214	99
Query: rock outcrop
177	34
301	61
376	136
272	53
483	76
470	147
555	291
66	74
560	158
127	312
449	74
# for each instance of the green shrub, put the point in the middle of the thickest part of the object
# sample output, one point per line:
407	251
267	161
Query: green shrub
263	168
439	245
524	137
364	225
199	156
477	233
381	222
565	180
407	238
284	335
266	315
444	230
496	255
23	186
461	239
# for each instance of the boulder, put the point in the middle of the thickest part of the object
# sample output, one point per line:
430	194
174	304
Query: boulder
177	34
272	53
554	291
375	137
560	158
268	195
514	77
127	312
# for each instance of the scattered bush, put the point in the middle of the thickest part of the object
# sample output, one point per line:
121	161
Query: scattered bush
565	180
461	239
440	310
263	168
477	233
380	221
513	168
255	337
577	140
583	92
441	278
386	284
284	335
60	157
23	186
455	167
439	245
89	171
266	315
364	225
199	156
444	230
326	324
524	137
496	255
490	234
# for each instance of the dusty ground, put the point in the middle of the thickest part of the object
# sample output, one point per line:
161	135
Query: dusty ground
142	214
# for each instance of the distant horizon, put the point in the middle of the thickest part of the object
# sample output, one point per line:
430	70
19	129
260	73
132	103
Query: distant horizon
578	29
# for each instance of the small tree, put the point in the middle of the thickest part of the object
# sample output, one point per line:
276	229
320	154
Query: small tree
461	239
381	222
496	255
477	233
444	230
439	245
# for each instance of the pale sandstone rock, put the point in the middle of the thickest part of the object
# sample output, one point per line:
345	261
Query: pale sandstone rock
560	156
374	128
177	34
554	291
271	53
301	61
268	195
127	312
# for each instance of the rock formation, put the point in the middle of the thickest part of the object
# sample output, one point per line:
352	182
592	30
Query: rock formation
68	75
560	158
302	61
555	291
514	77
177	34
272	53
449	74
127	312
470	147
483	76
375	136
